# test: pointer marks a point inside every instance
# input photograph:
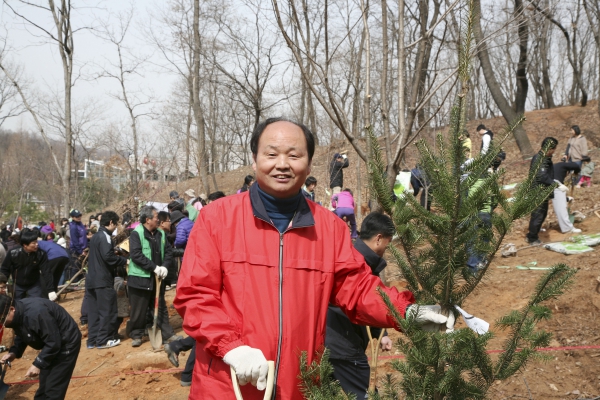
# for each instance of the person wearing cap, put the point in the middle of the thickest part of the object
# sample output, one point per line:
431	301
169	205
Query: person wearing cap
336	175
191	195
28	266
173	195
150	256
79	241
183	227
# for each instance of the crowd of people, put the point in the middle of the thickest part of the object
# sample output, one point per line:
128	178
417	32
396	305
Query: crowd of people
259	275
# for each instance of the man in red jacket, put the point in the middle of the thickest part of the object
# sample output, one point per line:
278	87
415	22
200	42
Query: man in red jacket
260	270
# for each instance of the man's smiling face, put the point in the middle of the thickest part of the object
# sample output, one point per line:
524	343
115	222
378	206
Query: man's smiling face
281	162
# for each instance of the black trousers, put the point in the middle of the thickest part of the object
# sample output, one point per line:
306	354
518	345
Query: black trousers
57	266
84	307
537	219
353	376
184	345
54	380
34	290
140	300
102	316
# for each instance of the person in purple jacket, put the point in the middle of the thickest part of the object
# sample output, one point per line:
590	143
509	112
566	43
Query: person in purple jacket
58	258
183	227
79	241
343	204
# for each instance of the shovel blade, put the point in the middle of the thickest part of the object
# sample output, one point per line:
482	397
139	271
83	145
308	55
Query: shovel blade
155	336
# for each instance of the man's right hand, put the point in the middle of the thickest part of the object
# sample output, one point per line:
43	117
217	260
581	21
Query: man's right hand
161	272
8	357
250	365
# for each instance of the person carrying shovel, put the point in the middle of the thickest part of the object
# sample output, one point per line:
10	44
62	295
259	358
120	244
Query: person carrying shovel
46	326
150	255
260	269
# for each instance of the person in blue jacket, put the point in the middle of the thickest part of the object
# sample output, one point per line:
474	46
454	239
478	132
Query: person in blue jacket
79	241
58	259
183	227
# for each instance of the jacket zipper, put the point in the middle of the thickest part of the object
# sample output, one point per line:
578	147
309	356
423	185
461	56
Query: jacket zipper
280	336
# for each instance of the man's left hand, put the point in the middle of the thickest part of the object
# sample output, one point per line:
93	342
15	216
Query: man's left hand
431	318
386	343
32	372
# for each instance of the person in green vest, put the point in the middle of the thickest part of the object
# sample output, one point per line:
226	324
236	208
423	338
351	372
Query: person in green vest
151	256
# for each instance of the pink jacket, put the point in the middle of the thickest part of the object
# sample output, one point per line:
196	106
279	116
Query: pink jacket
342	199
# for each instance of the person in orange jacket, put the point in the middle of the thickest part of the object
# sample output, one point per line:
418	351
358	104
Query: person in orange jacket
260	270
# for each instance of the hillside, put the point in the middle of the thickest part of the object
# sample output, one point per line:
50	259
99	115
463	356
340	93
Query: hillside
572	372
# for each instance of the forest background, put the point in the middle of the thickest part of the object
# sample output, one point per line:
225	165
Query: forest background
104	101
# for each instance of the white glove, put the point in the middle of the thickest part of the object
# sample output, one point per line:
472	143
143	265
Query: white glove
562	188
430	317
250	365
52	296
344	156
161	272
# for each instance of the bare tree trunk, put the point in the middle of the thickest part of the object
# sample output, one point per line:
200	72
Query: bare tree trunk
62	21
572	54
546	83
507	111
35	118
521	72
592	10
401	80
188	136
384	83
198	114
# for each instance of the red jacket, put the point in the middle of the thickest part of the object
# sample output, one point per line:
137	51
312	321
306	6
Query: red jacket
233	290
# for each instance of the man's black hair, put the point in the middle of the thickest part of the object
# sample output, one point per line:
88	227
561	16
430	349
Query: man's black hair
163	216
377	223
3	278
480	127
27	236
549	142
107	217
215	195
576	130
260	128
311	180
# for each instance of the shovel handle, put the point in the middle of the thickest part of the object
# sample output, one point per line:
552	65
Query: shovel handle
270	380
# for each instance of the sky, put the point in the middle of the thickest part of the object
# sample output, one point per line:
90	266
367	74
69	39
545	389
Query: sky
41	66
